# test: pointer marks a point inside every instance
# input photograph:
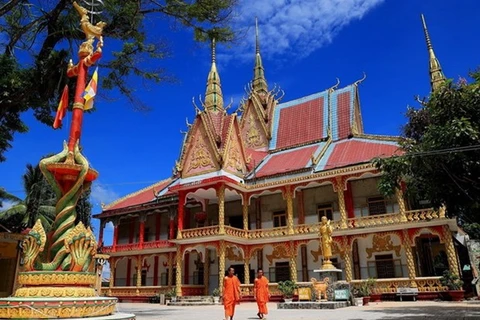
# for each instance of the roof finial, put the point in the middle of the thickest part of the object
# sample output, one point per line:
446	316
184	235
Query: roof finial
257	40
213	96
259	81
213	50
436	75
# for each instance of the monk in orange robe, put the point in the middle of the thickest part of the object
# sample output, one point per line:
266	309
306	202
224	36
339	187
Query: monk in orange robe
261	293
231	293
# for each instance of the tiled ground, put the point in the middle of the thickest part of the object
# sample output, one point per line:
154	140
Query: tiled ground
383	310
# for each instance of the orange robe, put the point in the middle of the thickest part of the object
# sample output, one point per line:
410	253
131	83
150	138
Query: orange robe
261	292
231	294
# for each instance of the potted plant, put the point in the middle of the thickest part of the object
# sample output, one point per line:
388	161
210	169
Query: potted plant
216	296
376	295
288	289
358	297
454	285
171	295
365	290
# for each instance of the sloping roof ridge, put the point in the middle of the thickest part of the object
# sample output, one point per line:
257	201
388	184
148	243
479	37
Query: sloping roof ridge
137	192
376	137
301	100
296	147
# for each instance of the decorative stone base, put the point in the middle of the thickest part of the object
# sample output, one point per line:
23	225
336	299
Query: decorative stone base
44	308
314	305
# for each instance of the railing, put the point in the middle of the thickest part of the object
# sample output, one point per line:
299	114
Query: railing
138	246
135	291
424	284
352	223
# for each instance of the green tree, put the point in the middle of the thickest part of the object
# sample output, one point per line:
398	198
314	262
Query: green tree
441	141
39	203
5	196
39	37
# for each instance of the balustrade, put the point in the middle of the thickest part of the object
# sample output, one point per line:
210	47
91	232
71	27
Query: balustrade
424	284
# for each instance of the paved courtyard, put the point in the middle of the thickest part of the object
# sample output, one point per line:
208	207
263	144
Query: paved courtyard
383	310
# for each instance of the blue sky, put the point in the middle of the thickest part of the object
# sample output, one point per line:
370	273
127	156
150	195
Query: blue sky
305	44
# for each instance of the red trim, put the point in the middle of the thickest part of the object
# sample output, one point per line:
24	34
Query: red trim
186	265
129	272
100	233
141	236
155	270
301	207
131	234
172	229
202	183
349	201
181	204
115	237
158	226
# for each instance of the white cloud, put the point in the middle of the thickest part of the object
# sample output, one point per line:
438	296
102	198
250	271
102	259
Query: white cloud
7	204
294	28
109	226
102	194
106	271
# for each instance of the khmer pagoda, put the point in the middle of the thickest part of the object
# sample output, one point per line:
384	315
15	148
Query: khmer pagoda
250	188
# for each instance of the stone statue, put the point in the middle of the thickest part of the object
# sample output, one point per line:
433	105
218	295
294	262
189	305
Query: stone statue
326	240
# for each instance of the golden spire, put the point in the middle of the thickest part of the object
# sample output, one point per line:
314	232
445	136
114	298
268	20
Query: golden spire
259	81
436	75
213	95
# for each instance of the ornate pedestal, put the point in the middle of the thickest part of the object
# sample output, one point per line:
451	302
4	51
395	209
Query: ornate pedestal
329	276
58	294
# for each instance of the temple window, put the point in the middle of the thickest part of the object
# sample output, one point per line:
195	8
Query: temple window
325	210
281	271
377	205
279	219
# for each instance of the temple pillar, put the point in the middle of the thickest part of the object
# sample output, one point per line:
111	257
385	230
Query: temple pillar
349	206
170	269
100	232
293	268
401	204
288	196
206	272
171	228
407	244
178	275
450	249
245	212
221	210
115	222
339	186
139	274
181	206
221	265
186	268
128	281
246	270
303	252
111	283
141	236
347	258
158	226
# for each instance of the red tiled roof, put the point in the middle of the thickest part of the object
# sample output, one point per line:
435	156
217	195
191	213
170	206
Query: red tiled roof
286	161
355	151
139	197
301	123
343	114
257	157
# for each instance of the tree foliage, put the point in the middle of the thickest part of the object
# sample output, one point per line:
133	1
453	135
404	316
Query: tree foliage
37	38
441	141
39	203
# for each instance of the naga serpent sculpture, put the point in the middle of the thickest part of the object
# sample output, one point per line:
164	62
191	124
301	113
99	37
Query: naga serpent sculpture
68	253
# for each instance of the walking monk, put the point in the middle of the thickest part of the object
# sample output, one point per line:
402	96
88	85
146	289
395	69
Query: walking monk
261	294
231	293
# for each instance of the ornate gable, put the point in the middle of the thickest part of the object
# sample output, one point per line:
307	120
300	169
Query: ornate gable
234	153
253	132
199	154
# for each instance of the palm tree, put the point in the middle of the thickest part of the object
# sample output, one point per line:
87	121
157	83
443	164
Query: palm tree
5	196
39	203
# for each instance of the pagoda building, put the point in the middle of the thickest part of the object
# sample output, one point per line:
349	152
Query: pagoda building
249	190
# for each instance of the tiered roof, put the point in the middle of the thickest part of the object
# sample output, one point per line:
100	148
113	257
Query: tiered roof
319	132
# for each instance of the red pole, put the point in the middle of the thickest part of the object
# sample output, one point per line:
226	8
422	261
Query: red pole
77	113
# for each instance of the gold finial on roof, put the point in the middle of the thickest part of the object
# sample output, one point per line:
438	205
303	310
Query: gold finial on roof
259	81
213	94
436	75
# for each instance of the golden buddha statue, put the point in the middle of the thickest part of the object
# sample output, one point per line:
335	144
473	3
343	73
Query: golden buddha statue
326	240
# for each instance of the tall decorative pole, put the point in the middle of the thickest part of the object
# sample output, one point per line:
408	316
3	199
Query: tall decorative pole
59	270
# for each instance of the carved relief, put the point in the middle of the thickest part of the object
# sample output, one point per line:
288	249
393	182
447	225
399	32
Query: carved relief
253	135
279	252
383	243
233	254
200	155
234	156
